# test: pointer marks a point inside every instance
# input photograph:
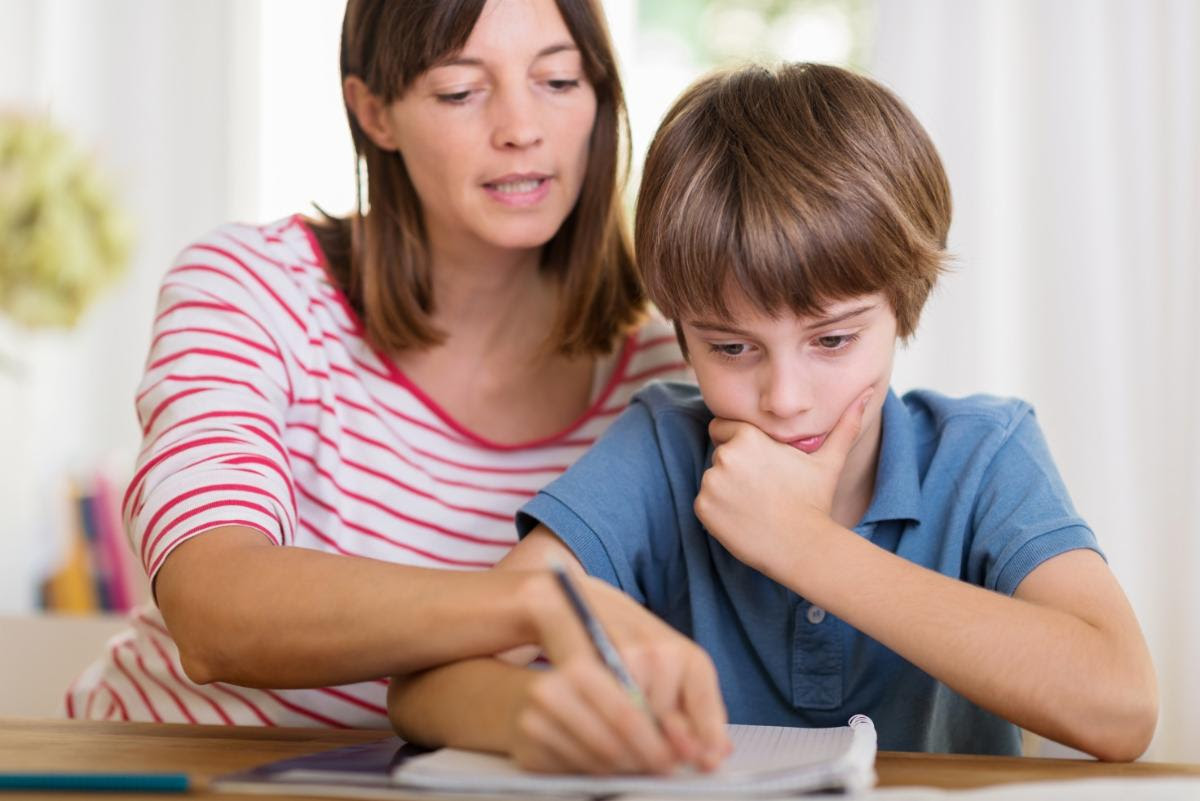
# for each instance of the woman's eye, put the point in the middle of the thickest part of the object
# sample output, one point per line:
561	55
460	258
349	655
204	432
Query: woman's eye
563	84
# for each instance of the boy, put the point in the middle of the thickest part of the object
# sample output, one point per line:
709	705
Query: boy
834	548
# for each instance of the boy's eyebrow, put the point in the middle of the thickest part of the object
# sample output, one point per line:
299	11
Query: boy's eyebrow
463	61
840	318
724	328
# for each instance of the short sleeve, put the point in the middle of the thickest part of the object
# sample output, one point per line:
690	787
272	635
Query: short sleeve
613	508
1023	513
212	406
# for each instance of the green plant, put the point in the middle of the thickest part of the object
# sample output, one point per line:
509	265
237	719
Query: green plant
62	236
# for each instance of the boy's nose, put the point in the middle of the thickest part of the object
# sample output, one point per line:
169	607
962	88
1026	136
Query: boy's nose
786	392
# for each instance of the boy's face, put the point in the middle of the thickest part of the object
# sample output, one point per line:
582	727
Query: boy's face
792	377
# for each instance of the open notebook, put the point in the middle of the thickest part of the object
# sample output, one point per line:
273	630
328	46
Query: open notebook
767	760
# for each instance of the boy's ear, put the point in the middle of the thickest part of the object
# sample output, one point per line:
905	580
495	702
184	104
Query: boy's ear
370	111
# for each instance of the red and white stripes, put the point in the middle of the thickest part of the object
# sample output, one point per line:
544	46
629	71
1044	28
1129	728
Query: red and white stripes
262	405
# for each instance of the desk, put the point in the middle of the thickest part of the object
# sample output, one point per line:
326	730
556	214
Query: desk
207	751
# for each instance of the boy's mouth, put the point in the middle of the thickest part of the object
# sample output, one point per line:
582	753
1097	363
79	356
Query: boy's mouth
808	444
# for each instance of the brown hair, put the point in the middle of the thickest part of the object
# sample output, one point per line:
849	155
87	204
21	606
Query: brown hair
380	257
799	186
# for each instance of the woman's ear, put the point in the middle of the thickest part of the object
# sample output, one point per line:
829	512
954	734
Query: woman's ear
370	111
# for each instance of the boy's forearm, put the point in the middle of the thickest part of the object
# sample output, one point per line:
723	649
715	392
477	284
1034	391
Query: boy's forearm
1046	669
468	704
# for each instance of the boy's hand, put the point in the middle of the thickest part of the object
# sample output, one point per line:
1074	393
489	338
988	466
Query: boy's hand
577	718
760	495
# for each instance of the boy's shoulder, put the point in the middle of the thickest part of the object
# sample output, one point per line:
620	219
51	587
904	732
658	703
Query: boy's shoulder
936	411
673	403
668	417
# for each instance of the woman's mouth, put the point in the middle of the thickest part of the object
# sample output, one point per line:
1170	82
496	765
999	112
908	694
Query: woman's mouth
518	190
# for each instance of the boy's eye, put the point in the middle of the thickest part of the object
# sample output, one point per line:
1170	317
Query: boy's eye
835	341
729	351
454	97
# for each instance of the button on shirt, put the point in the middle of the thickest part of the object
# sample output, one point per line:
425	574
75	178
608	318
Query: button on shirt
965	487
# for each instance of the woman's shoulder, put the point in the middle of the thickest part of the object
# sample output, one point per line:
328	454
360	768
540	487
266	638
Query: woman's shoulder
273	274
278	261
653	353
285	245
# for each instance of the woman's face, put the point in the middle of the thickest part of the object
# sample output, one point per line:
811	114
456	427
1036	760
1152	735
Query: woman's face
496	138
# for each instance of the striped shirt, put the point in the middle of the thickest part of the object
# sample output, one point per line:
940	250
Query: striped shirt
263	405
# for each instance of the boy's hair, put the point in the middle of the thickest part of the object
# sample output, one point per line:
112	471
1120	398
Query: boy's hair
798	186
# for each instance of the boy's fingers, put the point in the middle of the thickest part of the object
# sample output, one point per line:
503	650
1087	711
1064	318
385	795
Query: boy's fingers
721	430
841	438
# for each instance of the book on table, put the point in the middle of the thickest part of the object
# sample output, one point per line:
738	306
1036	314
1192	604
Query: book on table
766	760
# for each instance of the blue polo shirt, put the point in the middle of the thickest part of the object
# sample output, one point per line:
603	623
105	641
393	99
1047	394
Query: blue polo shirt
965	487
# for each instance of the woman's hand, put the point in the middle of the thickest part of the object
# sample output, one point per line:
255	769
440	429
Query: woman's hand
576	717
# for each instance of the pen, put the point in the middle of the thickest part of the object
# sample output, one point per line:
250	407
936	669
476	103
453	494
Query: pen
604	647
97	782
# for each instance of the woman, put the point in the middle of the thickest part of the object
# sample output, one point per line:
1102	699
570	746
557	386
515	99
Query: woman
381	393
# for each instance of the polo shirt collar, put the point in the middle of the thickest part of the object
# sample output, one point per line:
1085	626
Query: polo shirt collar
897	486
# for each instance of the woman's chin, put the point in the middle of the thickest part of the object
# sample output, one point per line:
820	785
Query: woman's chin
518	238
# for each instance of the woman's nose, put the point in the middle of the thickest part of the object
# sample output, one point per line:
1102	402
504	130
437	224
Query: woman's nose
515	120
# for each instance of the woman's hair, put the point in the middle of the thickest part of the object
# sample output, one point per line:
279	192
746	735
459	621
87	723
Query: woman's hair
380	256
797	186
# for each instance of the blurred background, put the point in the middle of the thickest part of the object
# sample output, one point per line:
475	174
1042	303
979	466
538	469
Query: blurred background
1070	131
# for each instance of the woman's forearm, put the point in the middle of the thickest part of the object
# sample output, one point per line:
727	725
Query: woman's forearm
248	612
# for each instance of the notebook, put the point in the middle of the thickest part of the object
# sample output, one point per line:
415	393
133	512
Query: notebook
767	760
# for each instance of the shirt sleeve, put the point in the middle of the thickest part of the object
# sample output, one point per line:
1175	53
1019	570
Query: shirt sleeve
613	508
211	405
1023	514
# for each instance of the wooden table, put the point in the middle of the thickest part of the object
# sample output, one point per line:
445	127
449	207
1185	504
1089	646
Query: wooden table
207	751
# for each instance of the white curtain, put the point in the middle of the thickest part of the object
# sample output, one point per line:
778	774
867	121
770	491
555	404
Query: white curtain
150	88
1071	134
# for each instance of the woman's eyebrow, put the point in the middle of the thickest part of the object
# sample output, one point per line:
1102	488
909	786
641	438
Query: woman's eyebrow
467	61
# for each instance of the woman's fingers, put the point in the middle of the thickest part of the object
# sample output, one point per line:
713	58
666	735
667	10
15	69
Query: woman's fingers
705	710
563	697
581	716
646	747
541	744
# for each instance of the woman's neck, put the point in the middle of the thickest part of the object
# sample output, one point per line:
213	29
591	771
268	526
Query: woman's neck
494	373
492	301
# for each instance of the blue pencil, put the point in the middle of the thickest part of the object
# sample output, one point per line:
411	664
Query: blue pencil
604	647
97	782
